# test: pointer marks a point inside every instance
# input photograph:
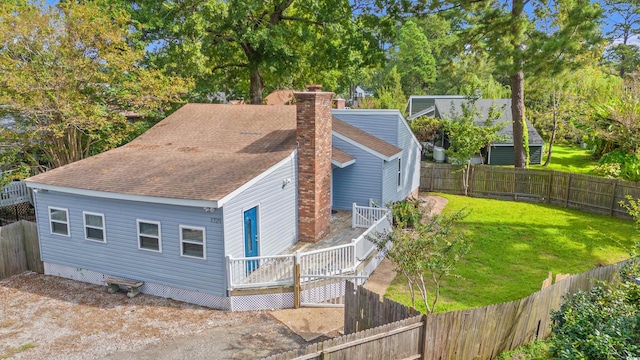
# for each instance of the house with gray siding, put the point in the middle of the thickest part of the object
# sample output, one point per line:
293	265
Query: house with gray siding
213	181
498	153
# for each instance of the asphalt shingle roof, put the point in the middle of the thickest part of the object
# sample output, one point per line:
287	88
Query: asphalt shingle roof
200	152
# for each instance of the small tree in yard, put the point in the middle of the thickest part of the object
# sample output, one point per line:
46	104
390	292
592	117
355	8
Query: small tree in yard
426	253
467	137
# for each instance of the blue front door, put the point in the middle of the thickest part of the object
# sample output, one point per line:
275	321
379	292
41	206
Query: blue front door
251	237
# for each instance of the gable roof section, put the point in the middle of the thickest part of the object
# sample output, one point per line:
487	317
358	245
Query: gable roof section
364	140
201	152
340	158
452	107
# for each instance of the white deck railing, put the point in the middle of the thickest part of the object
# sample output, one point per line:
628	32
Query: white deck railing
365	216
260	271
327	261
364	247
14	193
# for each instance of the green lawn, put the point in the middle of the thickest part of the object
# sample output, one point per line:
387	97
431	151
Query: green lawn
516	244
569	158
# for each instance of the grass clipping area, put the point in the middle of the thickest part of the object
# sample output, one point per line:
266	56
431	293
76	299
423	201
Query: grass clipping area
514	247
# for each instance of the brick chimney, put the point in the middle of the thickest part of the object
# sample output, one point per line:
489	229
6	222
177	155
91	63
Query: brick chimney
339	103
313	134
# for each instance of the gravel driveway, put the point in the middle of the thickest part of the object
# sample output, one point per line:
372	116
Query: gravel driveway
47	317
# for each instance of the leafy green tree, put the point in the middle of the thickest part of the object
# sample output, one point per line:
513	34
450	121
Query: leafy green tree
66	75
547	40
468	134
416	64
625	16
389	95
246	46
427	252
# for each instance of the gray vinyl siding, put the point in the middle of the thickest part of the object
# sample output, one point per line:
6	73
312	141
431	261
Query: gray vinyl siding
410	165
381	124
390	191
277	213
120	255
359	182
503	155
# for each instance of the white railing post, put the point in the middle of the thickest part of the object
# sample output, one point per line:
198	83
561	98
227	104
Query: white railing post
354	243
353	216
229	275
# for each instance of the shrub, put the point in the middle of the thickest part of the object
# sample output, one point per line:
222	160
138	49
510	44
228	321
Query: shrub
629	165
407	213
603	323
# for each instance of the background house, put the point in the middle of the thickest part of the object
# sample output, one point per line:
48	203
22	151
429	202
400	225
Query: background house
500	153
216	181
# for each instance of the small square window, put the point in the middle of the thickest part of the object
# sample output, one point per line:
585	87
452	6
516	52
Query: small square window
149	236
59	221
192	242
94	228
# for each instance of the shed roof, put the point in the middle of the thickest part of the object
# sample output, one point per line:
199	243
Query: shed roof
453	107
373	143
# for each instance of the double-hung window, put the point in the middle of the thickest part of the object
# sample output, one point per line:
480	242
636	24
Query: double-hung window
192	242
149	235
59	221
94	228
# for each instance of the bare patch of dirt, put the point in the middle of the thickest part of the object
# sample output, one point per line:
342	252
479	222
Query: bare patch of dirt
47	317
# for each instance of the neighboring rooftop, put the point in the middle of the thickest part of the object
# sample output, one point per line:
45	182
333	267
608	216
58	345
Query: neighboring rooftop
361	137
453	107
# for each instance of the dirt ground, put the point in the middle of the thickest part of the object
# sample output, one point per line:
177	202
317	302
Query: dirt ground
47	317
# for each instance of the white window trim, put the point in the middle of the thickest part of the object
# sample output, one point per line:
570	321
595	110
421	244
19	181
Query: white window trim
204	242
138	221
399	174
51	221
103	228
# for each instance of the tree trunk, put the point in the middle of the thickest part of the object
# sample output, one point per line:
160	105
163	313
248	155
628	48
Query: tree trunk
553	131
257	86
517	111
517	84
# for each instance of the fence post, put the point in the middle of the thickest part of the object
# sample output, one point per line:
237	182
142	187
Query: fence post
296	284
353	216
550	180
566	200
432	178
613	196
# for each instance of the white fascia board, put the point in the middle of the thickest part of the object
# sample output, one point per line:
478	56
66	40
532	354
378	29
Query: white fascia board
120	196
365	148
344	164
253	181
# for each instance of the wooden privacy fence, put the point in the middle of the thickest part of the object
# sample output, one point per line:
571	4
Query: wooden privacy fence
398	340
19	249
582	192
364	309
481	333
